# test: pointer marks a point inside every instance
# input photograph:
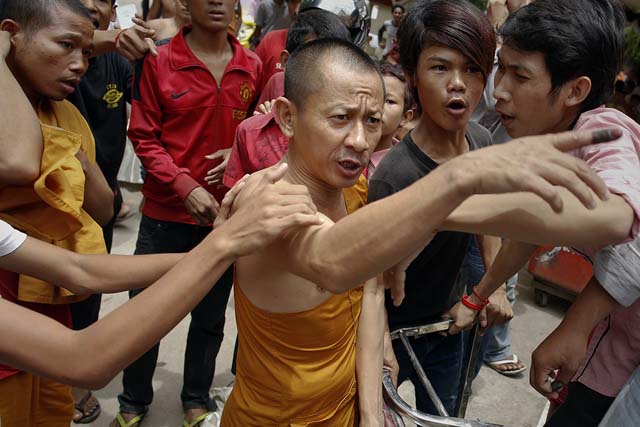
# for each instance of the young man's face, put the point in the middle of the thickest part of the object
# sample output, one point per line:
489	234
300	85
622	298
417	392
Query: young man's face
102	12
449	87
397	15
212	16
50	62
292	8
339	126
393	105
523	94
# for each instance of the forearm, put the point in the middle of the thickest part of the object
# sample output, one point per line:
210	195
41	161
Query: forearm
508	261
489	246
369	352
527	218
47	348
87	274
98	196
104	41
21	142
592	305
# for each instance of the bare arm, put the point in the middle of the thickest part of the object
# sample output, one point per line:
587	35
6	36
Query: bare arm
38	344
98	196
390	229
369	353
527	218
133	43
21	141
87	274
565	347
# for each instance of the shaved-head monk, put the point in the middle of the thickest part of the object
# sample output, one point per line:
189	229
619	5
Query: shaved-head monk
299	301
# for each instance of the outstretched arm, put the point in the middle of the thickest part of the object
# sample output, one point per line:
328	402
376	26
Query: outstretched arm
528	218
35	343
390	229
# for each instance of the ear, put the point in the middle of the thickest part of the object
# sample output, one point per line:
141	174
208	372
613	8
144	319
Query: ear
285	112
10	26
284	57
579	89
407	116
114	15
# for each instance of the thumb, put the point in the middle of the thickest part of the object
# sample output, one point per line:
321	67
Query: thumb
482	319
276	173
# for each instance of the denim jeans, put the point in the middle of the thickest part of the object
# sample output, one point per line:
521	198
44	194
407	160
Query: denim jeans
496	343
205	330
441	358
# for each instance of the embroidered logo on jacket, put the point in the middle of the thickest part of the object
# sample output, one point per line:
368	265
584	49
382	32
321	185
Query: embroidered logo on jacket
246	92
112	96
239	114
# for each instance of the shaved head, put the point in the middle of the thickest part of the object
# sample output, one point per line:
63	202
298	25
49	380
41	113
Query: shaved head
307	66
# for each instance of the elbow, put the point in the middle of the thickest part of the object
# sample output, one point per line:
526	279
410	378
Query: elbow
331	278
90	377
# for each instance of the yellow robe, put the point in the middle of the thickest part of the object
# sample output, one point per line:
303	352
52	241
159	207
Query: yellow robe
51	208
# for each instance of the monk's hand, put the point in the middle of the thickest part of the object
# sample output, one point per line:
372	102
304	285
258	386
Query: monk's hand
557	359
389	360
534	164
214	176
263	210
201	205
5	43
135	42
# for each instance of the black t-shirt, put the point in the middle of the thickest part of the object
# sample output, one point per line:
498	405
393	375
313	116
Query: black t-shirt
102	98
431	285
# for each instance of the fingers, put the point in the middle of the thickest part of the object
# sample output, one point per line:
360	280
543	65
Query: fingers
397	293
567	141
541	378
153	50
275	173
227	202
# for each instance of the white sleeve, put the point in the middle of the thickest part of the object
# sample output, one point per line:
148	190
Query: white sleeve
10	238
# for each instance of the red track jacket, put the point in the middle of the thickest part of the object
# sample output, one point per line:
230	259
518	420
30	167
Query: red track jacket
180	114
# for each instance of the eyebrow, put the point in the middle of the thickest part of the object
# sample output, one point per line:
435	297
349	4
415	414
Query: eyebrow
516	67
438	58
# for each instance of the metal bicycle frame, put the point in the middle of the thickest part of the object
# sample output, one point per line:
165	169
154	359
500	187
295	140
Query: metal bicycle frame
402	408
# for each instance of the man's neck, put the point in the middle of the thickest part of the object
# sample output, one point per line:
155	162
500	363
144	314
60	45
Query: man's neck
329	200
438	143
206	42
385	142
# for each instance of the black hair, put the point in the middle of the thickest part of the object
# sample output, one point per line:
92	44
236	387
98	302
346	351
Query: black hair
398	6
395	70
576	37
33	15
456	24
306	62
317	24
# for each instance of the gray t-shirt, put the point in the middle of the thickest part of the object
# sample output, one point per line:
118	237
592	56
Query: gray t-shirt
431	285
271	16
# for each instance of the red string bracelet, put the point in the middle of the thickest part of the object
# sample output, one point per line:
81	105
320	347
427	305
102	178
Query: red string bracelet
115	41
485	301
467	302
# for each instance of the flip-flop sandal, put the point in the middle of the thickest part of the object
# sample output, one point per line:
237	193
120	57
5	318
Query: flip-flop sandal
197	422
511	361
88	414
133	422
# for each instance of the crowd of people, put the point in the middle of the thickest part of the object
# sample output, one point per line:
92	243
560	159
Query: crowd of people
338	198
